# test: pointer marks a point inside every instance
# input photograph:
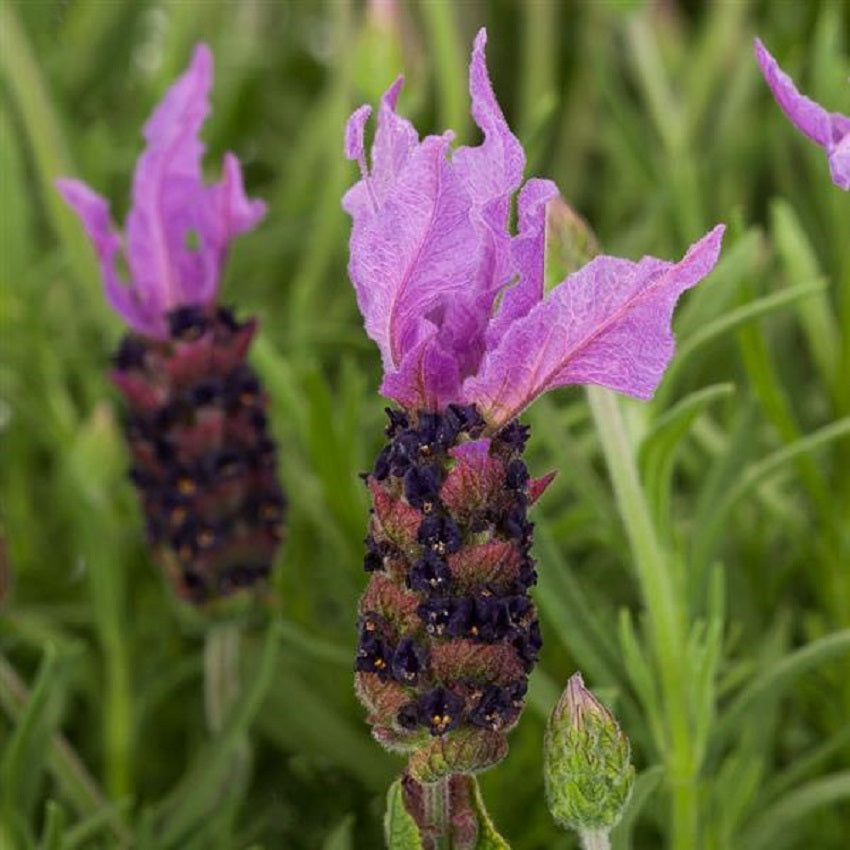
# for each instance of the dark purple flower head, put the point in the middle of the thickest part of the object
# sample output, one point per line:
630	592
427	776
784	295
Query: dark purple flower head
456	302
178	229
830	130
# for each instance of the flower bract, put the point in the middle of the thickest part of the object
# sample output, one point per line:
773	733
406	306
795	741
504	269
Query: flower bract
830	130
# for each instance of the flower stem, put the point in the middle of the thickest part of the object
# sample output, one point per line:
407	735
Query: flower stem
221	673
595	839
667	620
438	812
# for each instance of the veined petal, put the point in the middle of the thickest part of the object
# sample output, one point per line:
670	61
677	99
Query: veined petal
416	251
528	250
430	247
93	211
830	130
178	230
168	194
227	213
607	324
494	168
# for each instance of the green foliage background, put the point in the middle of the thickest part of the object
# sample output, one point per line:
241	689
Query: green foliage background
708	599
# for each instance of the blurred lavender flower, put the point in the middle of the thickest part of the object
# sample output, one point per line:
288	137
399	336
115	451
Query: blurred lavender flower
203	462
468	339
830	130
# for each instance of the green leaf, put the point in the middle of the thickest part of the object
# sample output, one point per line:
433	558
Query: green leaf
54	826
729	321
815	314
400	829
657	451
203	784
754	475
773	683
23	757
774	822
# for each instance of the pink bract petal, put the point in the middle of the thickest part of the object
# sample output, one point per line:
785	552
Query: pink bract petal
414	253
178	229
429	244
607	324
493	169
93	211
168	191
830	130
528	251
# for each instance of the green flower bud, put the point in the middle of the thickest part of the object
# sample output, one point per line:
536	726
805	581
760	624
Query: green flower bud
586	762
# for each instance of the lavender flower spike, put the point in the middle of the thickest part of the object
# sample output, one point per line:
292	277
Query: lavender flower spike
456	302
202	460
468	338
171	208
830	130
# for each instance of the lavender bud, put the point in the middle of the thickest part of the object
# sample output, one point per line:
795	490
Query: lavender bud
587	768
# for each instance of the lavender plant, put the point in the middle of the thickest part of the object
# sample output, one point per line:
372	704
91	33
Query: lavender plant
455	301
829	130
202	459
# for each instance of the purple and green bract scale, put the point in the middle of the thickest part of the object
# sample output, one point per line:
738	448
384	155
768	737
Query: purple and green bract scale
203	462
468	338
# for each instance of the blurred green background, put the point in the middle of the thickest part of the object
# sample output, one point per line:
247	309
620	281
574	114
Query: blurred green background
710	606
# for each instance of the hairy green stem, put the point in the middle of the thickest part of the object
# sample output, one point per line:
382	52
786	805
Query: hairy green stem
438	812
667	621
221	673
595	839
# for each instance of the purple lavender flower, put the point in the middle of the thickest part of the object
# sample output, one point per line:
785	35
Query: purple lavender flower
456	304
171	208
203	462
830	130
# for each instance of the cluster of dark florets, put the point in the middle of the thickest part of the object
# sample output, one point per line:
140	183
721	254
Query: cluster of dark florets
448	633
203	461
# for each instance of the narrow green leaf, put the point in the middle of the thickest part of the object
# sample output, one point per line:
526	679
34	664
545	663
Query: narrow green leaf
657	451
757	309
770	825
400	829
196	795
23	760
816	313
755	474
772	684
54	827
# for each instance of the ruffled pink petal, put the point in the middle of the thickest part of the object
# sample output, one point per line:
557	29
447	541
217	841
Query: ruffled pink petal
178	230
93	211
226	213
168	194
430	248
829	130
414	253
607	324
528	249
395	140
493	169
